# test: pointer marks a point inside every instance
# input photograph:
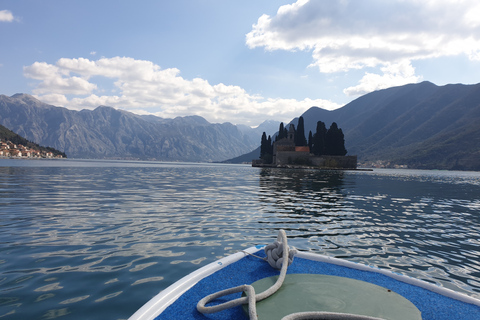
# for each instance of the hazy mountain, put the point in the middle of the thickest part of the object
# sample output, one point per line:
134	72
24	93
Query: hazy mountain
245	158
109	133
268	126
421	125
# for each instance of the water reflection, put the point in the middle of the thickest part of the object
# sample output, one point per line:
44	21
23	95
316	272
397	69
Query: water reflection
300	180
300	192
309	204
96	240
412	226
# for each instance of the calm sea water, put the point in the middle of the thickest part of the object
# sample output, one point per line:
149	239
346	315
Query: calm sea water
98	239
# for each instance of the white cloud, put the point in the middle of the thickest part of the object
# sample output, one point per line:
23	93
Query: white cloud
6	16
348	34
55	99
144	87
393	75
57	80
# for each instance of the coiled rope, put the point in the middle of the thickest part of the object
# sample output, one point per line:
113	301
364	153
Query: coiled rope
275	257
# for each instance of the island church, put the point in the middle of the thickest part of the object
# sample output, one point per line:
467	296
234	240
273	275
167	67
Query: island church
286	154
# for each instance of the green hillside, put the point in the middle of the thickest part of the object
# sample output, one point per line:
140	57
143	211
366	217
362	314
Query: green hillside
8	135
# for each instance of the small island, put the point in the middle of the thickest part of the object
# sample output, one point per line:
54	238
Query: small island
324	150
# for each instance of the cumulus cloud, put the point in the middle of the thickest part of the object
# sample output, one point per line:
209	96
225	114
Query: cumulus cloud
347	34
6	16
145	87
393	75
57	80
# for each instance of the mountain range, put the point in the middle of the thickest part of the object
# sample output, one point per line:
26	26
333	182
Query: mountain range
420	125
108	133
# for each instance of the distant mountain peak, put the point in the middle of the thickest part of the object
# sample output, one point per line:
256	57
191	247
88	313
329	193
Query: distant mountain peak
24	97
197	120
102	107
20	95
28	99
266	122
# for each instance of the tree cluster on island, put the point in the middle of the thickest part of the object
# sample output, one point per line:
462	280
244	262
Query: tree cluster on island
323	142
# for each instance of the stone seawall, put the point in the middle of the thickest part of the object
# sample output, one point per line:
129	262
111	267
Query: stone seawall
342	162
305	159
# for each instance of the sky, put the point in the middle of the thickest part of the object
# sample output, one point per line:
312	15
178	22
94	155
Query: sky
238	61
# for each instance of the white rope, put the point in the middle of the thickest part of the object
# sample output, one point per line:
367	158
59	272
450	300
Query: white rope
251	296
275	254
275	257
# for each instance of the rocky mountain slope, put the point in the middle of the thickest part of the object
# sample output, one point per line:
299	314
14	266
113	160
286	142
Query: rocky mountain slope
110	133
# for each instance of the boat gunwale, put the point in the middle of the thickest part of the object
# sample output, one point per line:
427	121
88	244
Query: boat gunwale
156	305
169	295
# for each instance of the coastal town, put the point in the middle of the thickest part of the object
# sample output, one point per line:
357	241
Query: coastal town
9	149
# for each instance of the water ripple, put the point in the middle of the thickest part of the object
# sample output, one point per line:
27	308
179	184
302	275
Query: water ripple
93	239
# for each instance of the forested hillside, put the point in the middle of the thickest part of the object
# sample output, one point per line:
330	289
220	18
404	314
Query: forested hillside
7	135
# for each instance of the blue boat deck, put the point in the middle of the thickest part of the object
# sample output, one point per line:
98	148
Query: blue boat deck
250	269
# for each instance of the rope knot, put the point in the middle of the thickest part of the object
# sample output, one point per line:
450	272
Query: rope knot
274	253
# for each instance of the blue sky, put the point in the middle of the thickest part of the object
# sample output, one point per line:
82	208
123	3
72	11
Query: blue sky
241	61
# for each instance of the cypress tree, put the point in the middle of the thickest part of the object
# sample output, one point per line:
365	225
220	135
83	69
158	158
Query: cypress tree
269	145
266	149
318	147
263	145
310	140
300	133
335	141
341	143
281	132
